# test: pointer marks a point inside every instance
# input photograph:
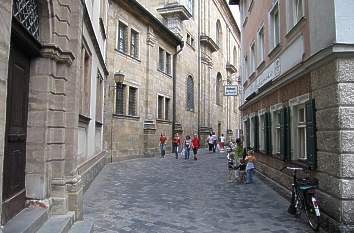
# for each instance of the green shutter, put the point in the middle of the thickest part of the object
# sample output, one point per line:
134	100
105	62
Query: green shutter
268	133
265	137
288	134
282	134
256	133
248	138
311	134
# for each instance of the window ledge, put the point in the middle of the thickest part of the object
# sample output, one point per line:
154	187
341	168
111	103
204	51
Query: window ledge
128	55
126	117
295	28
99	124
163	72
163	121
261	65
274	51
252	75
84	119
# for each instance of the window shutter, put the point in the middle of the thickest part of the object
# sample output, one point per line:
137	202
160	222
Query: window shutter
311	134
269	133
282	134
248	133
288	134
265	136
256	133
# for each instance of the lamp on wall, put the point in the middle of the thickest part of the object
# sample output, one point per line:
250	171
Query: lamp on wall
119	78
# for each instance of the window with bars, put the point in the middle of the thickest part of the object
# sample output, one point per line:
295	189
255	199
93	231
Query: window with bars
167	108
168	63
161	59
132	101
160	114
134	44
122	38
120	99
190	94
27	13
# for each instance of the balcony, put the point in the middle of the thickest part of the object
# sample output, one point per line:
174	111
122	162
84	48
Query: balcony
209	43
231	68
173	10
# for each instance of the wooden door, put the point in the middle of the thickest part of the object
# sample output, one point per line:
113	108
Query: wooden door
15	137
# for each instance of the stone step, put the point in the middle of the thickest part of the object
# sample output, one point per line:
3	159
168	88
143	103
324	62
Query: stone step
58	224
29	220
85	226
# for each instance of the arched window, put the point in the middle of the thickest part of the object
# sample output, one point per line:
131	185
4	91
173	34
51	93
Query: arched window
218	34
235	56
190	94
218	90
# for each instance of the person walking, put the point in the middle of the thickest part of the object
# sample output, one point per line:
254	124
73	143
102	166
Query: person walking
210	142
177	143
195	145
222	142
214	140
187	146
250	158
163	140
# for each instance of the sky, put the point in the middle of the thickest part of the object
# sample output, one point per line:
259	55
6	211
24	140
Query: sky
236	12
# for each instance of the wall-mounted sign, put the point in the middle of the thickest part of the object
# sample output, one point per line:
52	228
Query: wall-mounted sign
230	90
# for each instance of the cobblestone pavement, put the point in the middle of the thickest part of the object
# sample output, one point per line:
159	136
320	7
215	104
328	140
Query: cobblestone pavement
174	196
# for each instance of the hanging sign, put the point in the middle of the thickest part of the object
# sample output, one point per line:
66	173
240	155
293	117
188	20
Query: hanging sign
230	90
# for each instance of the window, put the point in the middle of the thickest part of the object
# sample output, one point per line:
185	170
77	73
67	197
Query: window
218	34
252	136
262	133
190	94
161	60
168	63
120	99
167	108
253	58
132	101
277	140
190	6
260	46
298	10
300	133
85	81
235	56
134	44
99	98
160	107
218	93
123	38
190	40
275	33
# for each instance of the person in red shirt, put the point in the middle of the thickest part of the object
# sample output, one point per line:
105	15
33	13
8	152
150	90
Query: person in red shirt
195	145
163	140
177	143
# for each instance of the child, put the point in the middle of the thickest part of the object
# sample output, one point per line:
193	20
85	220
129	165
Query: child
242	170
250	158
230	165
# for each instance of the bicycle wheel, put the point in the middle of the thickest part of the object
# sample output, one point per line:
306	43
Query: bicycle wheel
312	212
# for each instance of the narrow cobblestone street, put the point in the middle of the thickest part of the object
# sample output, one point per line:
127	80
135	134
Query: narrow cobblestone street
168	195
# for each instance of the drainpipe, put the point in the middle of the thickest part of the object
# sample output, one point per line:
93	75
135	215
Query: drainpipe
174	87
199	65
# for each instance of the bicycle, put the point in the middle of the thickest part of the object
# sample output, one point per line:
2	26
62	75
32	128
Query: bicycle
303	198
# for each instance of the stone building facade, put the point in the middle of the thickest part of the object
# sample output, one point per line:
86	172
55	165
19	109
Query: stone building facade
297	101
52	74
208	60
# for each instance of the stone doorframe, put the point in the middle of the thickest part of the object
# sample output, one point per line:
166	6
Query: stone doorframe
51	166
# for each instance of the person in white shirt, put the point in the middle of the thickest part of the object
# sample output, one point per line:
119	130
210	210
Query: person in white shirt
222	142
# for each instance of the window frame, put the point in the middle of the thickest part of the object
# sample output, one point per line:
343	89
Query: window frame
260	46
162	58
275	10
136	52
135	110
253	59
190	98
125	48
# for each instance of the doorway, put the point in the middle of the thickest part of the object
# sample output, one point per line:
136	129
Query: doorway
14	193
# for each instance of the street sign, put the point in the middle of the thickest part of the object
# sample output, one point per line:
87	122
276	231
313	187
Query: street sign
230	90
